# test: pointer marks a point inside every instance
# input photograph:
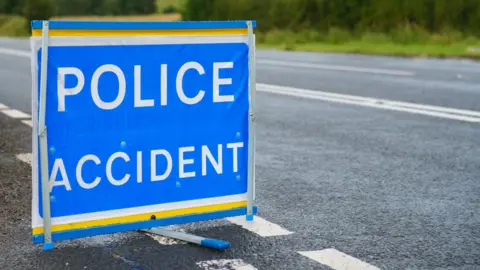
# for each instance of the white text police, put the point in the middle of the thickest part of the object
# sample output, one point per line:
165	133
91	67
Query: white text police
65	93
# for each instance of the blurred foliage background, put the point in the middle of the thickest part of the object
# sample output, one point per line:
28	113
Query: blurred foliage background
352	15
429	27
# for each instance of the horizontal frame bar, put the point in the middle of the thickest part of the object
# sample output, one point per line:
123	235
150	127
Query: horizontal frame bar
103	25
141	225
140	32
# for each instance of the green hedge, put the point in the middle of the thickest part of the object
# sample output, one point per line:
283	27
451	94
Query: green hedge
13	26
104	7
12	6
382	16
82	7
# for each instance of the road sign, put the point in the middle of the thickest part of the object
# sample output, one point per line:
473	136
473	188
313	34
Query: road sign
140	124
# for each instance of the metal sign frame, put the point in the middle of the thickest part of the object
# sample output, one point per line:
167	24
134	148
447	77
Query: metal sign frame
42	129
40	134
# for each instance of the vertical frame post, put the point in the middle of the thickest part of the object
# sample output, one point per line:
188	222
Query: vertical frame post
42	133
251	122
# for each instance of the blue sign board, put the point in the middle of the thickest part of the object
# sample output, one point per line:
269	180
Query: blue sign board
141	131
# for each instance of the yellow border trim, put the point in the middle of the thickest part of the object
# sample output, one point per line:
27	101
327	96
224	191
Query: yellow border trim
143	217
160	32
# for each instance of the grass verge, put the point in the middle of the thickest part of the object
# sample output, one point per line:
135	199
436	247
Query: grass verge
16	26
405	41
13	26
173	5
152	17
406	50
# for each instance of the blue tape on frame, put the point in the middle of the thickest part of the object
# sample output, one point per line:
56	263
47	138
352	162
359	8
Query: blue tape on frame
79	233
98	25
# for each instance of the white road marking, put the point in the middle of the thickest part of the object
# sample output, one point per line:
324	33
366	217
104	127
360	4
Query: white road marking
25	157
259	226
15	113
335	67
337	260
374	100
224	264
28	122
436	111
15	52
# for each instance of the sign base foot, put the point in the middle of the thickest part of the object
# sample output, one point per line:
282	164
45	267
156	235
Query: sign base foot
249	217
215	244
48	246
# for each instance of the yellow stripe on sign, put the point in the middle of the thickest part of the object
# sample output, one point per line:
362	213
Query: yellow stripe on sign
143	217
153	32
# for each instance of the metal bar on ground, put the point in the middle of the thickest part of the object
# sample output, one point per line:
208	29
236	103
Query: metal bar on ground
206	242
251	122
42	133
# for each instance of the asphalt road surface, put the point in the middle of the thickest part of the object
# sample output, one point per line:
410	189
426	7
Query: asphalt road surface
362	163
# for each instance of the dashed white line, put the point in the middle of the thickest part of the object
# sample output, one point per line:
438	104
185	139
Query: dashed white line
14	52
15	113
224	264
337	260
260	226
335	67
28	122
415	108
25	157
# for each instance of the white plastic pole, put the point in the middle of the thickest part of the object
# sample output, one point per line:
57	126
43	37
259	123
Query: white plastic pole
251	122
42	133
206	242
